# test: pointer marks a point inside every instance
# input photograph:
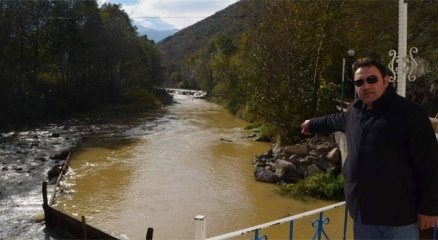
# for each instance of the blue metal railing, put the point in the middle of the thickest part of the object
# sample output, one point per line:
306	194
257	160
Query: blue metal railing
318	223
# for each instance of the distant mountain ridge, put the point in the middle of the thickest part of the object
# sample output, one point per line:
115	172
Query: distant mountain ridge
156	35
233	20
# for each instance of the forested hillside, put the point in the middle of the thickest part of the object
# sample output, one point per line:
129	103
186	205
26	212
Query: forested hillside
63	57
283	61
232	21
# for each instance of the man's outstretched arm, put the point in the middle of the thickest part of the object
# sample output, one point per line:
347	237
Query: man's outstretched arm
324	125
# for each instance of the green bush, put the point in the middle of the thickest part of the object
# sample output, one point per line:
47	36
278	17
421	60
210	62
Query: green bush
325	186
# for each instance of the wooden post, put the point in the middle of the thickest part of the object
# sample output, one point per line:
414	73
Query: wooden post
46	205
84	228
150	234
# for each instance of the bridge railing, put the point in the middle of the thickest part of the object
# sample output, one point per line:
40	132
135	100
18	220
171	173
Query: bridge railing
200	225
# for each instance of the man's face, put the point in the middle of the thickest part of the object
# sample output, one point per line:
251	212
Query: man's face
370	92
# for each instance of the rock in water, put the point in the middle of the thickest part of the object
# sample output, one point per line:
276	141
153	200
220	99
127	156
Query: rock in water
38	218
54	172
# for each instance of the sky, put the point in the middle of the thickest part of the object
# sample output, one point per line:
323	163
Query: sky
169	14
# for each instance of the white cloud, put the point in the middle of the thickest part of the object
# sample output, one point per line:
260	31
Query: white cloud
101	2
176	13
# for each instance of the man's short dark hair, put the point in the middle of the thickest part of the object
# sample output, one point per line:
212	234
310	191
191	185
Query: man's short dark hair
368	62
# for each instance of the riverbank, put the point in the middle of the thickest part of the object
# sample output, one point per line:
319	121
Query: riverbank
26	157
308	169
148	102
28	154
33	152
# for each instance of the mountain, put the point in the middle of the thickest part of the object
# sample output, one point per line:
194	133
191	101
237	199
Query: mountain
233	20
155	35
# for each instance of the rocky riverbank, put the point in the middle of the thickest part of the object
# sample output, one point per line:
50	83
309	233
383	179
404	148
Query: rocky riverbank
288	164
27	158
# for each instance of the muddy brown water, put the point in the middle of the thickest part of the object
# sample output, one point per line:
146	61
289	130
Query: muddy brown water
187	159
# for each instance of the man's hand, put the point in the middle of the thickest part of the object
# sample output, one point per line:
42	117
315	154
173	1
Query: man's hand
426	222
305	128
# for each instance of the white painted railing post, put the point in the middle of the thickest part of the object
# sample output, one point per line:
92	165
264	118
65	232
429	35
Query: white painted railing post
200	227
402	46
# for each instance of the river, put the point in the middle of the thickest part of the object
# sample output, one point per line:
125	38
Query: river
186	159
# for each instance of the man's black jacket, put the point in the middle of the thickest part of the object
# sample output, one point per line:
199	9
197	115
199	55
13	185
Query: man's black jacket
391	172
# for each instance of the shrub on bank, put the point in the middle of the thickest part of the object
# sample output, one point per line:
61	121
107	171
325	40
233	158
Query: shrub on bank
325	186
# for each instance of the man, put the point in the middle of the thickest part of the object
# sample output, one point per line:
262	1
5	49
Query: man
391	172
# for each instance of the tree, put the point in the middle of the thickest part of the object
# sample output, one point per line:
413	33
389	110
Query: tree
62	57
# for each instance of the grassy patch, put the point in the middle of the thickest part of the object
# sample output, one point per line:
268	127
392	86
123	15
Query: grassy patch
325	186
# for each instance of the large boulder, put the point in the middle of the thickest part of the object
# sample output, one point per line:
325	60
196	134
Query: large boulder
263	174
296	149
287	171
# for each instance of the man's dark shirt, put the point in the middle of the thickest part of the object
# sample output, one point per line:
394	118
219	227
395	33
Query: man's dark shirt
391	172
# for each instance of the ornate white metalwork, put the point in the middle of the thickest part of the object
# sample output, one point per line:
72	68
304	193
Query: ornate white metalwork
411	64
393	54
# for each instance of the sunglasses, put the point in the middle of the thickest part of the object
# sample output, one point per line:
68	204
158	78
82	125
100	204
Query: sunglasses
370	80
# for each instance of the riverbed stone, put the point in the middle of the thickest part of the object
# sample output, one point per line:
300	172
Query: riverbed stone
314	155
38	218
312	170
282	166
303	161
264	158
263	175
18	169
323	147
55	135
286	171
296	149
54	172
293	157
326	166
225	140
